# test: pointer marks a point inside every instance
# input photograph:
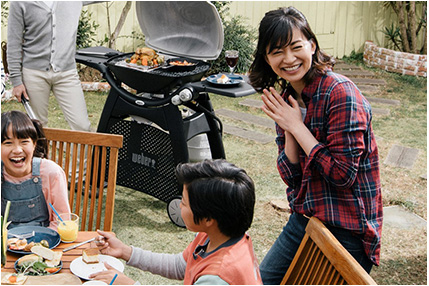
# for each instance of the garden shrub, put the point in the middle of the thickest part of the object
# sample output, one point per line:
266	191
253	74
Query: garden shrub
86	30
237	36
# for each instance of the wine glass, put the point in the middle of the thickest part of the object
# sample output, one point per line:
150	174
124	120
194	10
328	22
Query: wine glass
231	58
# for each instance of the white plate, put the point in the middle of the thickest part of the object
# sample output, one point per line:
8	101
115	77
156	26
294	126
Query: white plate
83	270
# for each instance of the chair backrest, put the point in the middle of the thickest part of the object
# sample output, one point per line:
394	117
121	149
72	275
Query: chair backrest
97	155
322	260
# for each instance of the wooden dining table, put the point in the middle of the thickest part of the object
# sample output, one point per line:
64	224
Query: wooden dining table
67	257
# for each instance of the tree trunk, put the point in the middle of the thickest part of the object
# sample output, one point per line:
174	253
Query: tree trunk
401	6
115	34
423	50
108	22
412	27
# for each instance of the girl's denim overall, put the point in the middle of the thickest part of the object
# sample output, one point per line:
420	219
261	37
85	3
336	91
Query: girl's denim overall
28	204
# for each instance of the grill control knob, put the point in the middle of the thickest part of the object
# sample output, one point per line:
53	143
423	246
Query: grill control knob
185	95
176	100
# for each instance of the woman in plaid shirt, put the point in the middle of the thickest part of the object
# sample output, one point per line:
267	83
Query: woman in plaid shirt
327	155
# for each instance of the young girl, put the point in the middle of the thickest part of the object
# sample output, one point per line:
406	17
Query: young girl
327	154
28	180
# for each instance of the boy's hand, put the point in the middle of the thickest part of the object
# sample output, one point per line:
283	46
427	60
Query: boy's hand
113	246
108	275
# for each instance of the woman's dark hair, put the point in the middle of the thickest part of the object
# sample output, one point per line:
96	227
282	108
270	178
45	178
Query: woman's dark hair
276	29
219	190
24	127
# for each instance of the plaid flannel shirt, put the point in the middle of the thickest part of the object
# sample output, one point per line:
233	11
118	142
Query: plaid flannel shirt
339	182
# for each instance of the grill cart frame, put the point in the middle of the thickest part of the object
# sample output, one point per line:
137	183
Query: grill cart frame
154	128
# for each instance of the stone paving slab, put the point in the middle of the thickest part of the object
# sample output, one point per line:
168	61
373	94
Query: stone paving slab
368	88
383	101
248	134
368	81
380	111
280	205
399	217
402	157
253	103
246	117
344	66
356	73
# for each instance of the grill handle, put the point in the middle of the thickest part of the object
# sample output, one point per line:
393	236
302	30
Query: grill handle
131	98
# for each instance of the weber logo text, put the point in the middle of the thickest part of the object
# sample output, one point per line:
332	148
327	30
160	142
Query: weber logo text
144	160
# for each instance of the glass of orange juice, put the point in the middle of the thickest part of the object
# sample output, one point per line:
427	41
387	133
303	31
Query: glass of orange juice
68	228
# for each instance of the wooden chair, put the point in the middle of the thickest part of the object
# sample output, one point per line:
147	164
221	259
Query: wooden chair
97	155
322	260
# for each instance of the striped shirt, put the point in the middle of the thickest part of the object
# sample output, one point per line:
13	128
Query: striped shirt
339	182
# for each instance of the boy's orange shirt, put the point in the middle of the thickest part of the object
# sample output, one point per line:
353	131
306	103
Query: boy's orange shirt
236	264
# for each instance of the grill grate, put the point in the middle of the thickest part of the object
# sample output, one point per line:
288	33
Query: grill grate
200	68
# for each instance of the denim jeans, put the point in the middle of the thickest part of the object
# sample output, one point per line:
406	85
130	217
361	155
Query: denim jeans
275	264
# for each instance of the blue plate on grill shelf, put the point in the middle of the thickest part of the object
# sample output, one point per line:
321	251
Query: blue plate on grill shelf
233	80
40	233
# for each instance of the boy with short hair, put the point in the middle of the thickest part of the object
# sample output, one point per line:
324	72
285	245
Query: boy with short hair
218	202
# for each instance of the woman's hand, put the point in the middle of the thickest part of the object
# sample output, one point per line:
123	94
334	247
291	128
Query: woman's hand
113	246
287	116
108	275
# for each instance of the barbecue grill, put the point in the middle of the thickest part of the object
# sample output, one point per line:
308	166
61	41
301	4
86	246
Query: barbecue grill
155	129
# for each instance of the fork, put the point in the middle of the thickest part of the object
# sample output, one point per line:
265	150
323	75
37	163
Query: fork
25	235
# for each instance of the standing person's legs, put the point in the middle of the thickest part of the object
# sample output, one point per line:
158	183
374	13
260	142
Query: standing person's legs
278	259
275	264
353	244
38	89
68	91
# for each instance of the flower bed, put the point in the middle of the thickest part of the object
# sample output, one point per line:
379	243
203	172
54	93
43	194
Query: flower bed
394	61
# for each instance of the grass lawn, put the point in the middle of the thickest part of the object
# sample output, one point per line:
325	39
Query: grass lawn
142	220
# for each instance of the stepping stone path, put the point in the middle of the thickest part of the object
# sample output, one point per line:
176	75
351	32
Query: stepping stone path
367	83
365	80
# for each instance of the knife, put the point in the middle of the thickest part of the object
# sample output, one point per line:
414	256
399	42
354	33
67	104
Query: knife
79	244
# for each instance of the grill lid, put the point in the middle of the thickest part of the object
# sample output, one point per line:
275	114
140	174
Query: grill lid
189	29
